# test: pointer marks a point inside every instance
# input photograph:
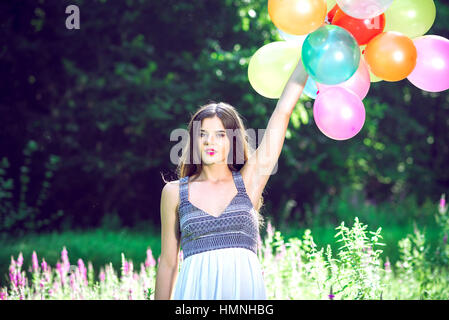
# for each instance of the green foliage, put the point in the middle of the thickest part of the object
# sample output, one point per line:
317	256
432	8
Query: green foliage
360	268
25	216
105	98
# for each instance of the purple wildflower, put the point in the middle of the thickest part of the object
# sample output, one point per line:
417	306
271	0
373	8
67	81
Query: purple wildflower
3	295
55	286
35	261
16	278
387	265
61	272
20	260
72	282
44	265
82	269
442	206
13	278
102	276
65	259
443	201
445	238
22	279
150	262
125	265
12	272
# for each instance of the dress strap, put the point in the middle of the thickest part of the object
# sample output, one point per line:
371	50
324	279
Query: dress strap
183	189
238	179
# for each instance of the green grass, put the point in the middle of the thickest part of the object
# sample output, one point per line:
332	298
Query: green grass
98	246
102	246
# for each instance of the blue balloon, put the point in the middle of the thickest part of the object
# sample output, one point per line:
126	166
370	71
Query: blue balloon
330	55
310	88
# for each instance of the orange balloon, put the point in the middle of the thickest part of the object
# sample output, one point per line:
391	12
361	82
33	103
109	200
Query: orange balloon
391	56
297	17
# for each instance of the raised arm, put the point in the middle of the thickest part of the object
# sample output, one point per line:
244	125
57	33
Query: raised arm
259	166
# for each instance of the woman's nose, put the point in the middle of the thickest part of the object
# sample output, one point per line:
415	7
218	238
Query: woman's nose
209	139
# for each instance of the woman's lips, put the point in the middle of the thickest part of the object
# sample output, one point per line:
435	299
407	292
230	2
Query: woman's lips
211	152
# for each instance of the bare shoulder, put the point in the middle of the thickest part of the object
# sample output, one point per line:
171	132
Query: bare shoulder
170	193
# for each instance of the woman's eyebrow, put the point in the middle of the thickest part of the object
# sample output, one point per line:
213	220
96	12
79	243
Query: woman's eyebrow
215	130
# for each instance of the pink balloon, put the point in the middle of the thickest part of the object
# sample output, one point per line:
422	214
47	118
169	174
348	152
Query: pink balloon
339	113
432	65
359	83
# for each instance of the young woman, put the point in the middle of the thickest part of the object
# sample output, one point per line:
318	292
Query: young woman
211	212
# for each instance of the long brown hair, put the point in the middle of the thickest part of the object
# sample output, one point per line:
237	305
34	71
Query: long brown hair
241	149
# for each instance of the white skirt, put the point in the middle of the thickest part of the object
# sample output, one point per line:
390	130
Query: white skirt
221	274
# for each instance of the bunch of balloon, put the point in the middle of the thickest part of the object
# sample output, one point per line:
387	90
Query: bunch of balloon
330	55
345	45
391	35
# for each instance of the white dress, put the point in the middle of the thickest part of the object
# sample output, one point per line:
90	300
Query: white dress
220	261
221	274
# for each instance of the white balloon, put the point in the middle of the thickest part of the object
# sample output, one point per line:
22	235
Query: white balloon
364	9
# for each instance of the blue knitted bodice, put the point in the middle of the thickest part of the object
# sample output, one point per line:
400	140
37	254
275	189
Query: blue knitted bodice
237	226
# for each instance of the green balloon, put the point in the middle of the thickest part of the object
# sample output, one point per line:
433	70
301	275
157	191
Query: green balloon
271	66
412	18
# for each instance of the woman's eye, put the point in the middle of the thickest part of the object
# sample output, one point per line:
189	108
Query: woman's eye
220	135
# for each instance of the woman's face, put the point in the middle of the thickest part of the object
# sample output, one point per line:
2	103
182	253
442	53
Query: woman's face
213	136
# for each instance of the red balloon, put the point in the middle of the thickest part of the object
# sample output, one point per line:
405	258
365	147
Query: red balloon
363	30
330	14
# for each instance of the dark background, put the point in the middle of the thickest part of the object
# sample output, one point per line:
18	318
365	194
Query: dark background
86	116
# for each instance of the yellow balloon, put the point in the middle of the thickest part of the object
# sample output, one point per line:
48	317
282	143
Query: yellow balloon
330	4
413	18
271	66
297	17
